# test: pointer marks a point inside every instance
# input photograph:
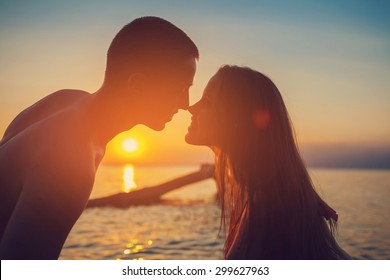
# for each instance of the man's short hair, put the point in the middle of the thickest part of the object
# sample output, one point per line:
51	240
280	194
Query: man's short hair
145	44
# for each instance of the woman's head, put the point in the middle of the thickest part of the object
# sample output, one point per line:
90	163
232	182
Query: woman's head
242	115
266	195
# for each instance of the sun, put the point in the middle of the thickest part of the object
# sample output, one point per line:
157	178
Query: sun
126	148
130	145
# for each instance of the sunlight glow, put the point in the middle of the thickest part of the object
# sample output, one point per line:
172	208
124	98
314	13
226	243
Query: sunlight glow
128	179
126	147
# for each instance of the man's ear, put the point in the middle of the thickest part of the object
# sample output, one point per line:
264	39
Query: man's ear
136	82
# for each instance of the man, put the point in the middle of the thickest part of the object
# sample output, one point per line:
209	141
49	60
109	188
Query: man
49	154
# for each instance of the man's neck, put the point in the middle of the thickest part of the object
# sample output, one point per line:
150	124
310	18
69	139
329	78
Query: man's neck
105	119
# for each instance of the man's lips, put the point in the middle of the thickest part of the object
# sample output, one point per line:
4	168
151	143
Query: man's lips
172	114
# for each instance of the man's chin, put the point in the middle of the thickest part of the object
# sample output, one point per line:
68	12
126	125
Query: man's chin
156	126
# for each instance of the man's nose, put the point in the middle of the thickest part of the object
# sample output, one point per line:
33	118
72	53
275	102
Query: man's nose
184	102
193	109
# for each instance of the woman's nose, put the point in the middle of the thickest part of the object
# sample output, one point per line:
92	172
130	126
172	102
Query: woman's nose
184	101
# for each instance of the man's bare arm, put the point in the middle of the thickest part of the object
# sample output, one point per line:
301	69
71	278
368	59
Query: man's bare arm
48	207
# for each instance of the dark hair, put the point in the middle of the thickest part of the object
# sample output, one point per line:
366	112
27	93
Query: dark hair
268	200
144	44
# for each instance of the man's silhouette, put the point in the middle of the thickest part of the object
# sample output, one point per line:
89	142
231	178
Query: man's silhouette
50	152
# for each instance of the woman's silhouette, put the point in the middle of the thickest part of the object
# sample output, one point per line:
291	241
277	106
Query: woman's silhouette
270	209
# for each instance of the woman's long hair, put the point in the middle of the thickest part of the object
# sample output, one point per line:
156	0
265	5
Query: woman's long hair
270	209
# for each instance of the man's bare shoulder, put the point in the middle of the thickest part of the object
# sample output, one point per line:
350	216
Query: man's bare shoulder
44	153
51	152
49	131
43	109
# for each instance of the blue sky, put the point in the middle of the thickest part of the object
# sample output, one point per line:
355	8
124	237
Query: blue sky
330	59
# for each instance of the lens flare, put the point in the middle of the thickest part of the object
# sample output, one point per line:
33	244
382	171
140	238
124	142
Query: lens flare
261	118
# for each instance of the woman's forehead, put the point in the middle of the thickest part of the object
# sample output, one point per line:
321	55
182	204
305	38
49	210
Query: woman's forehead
212	86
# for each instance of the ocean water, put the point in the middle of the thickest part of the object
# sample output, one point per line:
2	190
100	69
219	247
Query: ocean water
186	224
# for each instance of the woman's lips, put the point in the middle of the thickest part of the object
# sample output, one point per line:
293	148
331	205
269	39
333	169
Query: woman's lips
192	126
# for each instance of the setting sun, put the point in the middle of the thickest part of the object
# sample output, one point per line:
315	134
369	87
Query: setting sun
126	147
130	145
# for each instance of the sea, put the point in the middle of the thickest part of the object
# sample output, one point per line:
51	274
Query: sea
186	224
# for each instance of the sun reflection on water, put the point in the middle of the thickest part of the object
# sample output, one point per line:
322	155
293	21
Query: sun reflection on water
135	247
128	178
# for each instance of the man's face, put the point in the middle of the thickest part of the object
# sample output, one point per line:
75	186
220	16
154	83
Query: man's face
166	92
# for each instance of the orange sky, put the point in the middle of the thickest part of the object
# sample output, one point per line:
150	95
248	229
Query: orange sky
331	63
167	147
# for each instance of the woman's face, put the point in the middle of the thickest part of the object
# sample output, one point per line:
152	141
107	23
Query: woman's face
203	127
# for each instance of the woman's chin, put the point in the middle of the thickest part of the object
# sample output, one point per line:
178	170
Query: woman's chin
196	141
189	139
192	139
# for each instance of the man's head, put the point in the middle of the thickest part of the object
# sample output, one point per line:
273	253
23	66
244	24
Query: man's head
151	65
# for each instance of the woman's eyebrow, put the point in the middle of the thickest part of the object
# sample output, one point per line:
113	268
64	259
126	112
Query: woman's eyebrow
206	98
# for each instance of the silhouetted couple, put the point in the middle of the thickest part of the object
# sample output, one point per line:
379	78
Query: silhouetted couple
50	152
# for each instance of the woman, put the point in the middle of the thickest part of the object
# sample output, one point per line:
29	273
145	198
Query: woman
269	205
